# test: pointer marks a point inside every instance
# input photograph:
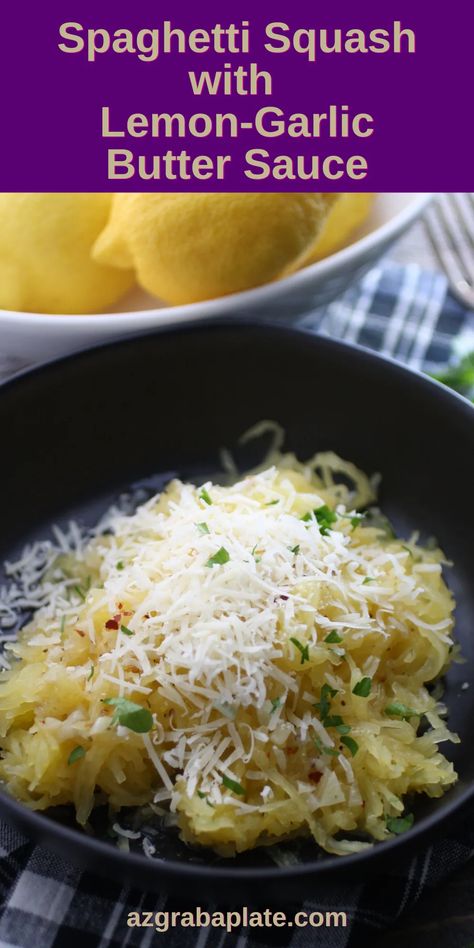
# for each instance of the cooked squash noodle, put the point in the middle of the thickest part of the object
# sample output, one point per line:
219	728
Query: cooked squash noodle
254	657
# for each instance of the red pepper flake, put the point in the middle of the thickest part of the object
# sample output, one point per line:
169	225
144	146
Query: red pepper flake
146	616
315	776
120	605
284	597
112	624
291	750
80	632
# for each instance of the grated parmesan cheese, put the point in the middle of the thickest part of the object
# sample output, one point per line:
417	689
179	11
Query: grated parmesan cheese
227	610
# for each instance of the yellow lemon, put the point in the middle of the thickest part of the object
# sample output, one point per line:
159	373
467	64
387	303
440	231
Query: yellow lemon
190	247
45	254
347	212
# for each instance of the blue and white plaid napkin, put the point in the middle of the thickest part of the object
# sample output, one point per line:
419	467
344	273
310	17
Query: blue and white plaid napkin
403	312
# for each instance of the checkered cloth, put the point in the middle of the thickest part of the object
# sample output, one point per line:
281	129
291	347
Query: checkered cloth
406	313
403	312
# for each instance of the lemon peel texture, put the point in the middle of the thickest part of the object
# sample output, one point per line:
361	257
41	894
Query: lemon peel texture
45	254
190	247
346	214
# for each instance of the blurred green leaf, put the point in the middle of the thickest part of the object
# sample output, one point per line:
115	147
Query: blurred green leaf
459	377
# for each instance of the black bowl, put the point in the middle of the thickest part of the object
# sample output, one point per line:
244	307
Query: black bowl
81	430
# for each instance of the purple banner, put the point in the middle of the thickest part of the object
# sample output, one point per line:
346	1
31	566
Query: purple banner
234	97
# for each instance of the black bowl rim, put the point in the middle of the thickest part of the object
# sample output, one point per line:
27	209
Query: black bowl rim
44	828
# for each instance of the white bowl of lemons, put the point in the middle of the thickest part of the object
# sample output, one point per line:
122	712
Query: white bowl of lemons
81	269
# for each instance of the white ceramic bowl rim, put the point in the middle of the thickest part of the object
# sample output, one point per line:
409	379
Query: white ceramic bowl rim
220	306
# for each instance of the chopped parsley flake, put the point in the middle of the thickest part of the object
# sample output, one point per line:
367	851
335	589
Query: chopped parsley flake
76	754
203	527
336	721
400	824
333	638
398	710
362	688
303	649
331	720
233	785
275	703
126	630
219	558
355	519
254	554
295	549
203	796
324	704
128	714
351	744
332	751
120	565
325	517
367	580
91	673
343	728
205	496
271	503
